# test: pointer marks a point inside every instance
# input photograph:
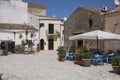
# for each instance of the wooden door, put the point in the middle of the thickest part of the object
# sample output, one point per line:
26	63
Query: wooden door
42	44
50	44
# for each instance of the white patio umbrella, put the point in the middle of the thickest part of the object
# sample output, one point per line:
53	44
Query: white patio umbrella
96	35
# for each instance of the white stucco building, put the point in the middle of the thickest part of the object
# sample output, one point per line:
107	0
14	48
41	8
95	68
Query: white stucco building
51	33
17	16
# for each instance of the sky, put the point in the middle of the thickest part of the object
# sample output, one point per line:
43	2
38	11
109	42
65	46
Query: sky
64	8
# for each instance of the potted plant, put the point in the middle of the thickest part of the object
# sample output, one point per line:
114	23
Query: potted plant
78	57
86	57
38	47
116	64
72	49
61	53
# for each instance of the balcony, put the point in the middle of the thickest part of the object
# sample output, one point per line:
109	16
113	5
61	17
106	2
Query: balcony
55	34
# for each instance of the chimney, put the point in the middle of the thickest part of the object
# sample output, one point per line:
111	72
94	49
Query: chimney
104	9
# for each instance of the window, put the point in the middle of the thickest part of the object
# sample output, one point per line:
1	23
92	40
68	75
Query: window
51	28
90	22
41	24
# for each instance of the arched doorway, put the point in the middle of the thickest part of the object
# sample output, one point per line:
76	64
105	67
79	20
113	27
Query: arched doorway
42	44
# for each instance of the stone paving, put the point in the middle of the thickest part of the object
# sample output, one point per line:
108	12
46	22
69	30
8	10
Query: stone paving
45	66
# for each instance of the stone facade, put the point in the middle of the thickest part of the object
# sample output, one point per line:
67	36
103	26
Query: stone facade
113	25
37	9
85	19
79	22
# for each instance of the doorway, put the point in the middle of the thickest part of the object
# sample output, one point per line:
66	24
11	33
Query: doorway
50	44
42	44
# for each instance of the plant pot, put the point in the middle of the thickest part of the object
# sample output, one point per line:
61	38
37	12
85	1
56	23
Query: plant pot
5	52
38	50
79	62
61	58
116	69
32	52
86	62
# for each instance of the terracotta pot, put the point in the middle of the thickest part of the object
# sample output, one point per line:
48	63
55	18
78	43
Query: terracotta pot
116	69
38	50
61	58
79	62
31	52
5	52
86	62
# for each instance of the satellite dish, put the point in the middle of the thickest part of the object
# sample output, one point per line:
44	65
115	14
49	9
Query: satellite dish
116	2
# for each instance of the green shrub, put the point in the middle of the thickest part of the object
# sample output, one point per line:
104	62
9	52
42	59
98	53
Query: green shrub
87	55
72	49
110	51
61	51
38	46
116	61
78	55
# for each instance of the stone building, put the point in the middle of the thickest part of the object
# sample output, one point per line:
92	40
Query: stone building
112	24
37	9
51	33
85	19
50	29
17	16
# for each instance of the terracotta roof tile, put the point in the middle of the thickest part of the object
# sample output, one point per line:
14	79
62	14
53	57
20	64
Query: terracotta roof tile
9	26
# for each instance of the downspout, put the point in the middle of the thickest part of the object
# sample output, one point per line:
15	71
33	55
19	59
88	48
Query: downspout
104	29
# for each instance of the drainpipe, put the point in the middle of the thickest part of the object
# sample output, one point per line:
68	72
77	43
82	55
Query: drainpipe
104	28
14	35
39	35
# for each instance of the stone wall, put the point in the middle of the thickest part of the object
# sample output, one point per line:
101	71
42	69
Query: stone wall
78	23
37	9
113	25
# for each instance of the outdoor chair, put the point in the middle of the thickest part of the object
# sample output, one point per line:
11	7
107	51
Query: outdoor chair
93	60
72	56
97	60
67	55
111	57
105	57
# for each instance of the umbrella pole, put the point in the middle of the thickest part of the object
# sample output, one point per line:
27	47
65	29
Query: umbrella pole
97	44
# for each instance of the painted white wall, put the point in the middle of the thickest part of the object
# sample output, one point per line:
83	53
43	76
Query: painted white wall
62	34
34	20
13	11
44	31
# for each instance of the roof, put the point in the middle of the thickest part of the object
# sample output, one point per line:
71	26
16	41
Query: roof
95	10
9	26
116	9
48	18
39	6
